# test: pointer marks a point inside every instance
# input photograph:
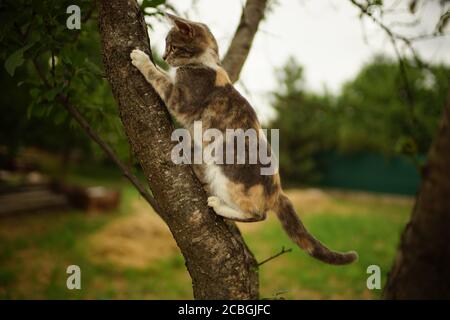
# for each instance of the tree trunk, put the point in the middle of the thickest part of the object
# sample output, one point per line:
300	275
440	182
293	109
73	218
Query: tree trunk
422	266
220	264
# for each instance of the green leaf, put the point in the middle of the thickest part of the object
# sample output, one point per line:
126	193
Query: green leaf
92	67
16	59
52	93
35	92
152	3
30	109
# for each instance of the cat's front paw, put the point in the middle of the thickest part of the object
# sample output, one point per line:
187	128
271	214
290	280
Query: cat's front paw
213	202
139	58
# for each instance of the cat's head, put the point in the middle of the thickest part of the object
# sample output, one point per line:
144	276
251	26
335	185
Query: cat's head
190	42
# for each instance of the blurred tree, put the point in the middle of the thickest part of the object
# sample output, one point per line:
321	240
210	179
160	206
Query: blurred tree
369	115
307	125
374	115
421	268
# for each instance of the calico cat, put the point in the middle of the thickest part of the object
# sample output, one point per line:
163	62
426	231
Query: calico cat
202	91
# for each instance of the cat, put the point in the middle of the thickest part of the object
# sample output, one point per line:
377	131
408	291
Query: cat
202	91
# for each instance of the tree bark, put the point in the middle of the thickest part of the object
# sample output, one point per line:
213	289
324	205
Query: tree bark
237	53
219	263
422	266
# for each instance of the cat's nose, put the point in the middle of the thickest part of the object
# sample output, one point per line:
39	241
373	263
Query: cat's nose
164	56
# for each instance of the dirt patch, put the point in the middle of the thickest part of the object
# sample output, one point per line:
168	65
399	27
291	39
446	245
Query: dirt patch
310	200
133	241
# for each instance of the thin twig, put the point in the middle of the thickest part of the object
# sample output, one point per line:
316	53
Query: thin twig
84	124
394	37
428	36
108	150
404	75
40	73
283	251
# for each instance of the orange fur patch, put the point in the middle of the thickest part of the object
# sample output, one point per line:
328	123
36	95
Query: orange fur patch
222	78
251	201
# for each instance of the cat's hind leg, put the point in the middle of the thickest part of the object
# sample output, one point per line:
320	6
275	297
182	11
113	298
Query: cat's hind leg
222	209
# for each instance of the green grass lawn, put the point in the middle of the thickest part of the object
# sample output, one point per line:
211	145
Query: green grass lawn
371	228
35	250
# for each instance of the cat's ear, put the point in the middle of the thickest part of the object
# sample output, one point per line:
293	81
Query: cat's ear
181	24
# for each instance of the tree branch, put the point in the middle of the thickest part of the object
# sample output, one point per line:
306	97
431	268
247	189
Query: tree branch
41	74
237	53
391	34
84	124
73	111
283	251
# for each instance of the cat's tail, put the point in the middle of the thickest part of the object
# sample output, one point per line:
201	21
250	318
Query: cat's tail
298	234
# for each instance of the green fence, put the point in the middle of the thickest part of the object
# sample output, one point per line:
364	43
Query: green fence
370	172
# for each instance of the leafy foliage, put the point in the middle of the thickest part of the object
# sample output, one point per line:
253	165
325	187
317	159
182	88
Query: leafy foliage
46	60
370	114
375	114
306	127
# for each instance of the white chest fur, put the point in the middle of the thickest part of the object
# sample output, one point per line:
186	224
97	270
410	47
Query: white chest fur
217	182
172	74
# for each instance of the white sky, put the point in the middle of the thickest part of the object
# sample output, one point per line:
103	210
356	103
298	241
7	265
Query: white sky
325	36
